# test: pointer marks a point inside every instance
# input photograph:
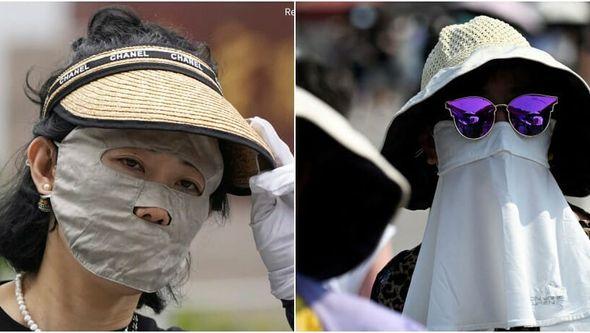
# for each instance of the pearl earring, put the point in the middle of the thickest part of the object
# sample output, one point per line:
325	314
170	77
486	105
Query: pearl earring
46	187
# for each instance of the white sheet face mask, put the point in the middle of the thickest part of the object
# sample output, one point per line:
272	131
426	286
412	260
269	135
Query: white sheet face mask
94	204
502	248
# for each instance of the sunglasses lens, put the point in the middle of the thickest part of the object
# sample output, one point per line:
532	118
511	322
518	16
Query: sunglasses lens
473	116
530	114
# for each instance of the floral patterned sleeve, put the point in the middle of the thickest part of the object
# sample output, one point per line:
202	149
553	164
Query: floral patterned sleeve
393	281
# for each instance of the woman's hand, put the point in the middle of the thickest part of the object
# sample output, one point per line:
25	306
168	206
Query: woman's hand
272	212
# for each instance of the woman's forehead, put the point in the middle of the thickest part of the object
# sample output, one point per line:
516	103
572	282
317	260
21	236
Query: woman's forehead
198	150
499	82
154	153
159	140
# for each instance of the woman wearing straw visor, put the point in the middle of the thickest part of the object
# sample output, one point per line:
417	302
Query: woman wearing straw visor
493	141
134	149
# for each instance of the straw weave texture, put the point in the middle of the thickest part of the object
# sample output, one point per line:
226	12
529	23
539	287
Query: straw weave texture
158	96
124	62
458	41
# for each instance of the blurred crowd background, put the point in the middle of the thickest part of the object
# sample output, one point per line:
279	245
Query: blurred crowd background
374	53
253	46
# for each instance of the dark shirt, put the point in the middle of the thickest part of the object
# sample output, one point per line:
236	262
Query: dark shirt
289	311
143	324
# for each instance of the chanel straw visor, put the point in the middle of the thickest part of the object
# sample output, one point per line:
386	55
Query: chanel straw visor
154	87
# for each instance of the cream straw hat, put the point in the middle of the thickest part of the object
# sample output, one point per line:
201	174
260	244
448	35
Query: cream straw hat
464	49
315	111
339	169
154	87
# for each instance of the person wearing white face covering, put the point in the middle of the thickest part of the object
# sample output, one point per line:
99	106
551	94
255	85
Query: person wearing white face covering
135	149
487	145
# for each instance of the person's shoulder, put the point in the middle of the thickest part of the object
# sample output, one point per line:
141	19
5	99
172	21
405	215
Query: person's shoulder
393	281
400	267
145	323
583	217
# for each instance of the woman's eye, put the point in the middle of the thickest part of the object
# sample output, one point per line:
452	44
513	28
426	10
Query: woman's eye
131	163
189	186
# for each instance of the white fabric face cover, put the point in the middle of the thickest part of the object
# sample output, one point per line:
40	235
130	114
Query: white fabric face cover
93	205
502	248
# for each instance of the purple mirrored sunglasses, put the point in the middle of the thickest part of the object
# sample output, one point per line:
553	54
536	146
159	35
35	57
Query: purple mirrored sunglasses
528	114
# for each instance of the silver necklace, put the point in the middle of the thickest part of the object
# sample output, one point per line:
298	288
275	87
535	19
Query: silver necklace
20	300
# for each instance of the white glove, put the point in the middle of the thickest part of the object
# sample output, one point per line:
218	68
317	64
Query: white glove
272	213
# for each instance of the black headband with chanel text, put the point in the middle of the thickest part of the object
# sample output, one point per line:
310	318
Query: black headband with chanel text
129	59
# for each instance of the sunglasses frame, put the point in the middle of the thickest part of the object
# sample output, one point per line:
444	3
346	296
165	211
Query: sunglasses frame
508	114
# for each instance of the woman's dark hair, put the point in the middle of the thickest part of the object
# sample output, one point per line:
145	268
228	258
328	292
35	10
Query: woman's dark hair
23	227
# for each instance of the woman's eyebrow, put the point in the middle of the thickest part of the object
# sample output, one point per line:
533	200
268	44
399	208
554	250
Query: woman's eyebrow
184	162
187	163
